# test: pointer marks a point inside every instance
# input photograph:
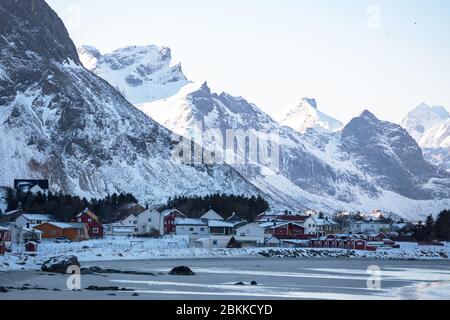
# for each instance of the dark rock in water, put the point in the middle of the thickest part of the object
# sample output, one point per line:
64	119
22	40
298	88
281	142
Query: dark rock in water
254	283
97	288
55	289
60	264
3	290
182	271
112	294
98	270
240	283
135	294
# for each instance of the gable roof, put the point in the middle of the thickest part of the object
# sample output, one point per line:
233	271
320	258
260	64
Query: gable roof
89	213
219	224
212	215
167	212
36	217
64	225
190	222
132	216
277	224
235	218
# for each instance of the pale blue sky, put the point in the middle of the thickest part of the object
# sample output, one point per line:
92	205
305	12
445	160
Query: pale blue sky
274	52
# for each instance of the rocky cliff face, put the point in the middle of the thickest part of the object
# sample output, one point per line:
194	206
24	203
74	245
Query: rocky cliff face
62	122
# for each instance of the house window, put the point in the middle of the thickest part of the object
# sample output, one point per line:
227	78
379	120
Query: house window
95	230
202	229
214	242
89	220
135	222
191	229
79	219
149	219
136	229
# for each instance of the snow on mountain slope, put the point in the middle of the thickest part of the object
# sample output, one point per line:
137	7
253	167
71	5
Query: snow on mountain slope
317	169
304	115
141	74
61	122
430	126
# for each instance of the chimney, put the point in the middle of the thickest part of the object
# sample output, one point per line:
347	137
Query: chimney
28	225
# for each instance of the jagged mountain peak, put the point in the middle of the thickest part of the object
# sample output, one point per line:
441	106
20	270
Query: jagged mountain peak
141	73
366	114
305	114
311	102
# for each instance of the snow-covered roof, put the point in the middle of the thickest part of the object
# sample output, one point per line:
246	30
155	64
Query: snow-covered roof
167	212
248	225
276	224
370	222
190	222
37	217
212	215
4	228
12	212
323	222
64	225
219	224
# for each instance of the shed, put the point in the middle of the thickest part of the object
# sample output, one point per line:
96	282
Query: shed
31	246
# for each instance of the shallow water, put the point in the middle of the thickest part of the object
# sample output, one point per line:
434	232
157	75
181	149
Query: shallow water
277	279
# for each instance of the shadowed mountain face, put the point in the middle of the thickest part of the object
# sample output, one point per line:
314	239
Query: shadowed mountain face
62	122
387	152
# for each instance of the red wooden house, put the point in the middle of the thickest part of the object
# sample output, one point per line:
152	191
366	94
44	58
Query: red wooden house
285	230
170	215
94	227
5	240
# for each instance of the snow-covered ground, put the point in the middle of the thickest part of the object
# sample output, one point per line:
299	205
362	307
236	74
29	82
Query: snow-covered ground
112	249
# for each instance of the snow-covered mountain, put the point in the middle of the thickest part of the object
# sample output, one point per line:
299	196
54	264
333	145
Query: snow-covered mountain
62	122
141	74
318	169
430	126
304	115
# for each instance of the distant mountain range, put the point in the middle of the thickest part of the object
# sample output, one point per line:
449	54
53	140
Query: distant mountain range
324	165
108	126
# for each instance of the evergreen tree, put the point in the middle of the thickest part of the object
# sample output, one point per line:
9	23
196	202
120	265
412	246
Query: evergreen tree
442	226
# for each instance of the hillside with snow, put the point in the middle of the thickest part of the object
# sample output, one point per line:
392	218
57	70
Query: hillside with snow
305	115
61	122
